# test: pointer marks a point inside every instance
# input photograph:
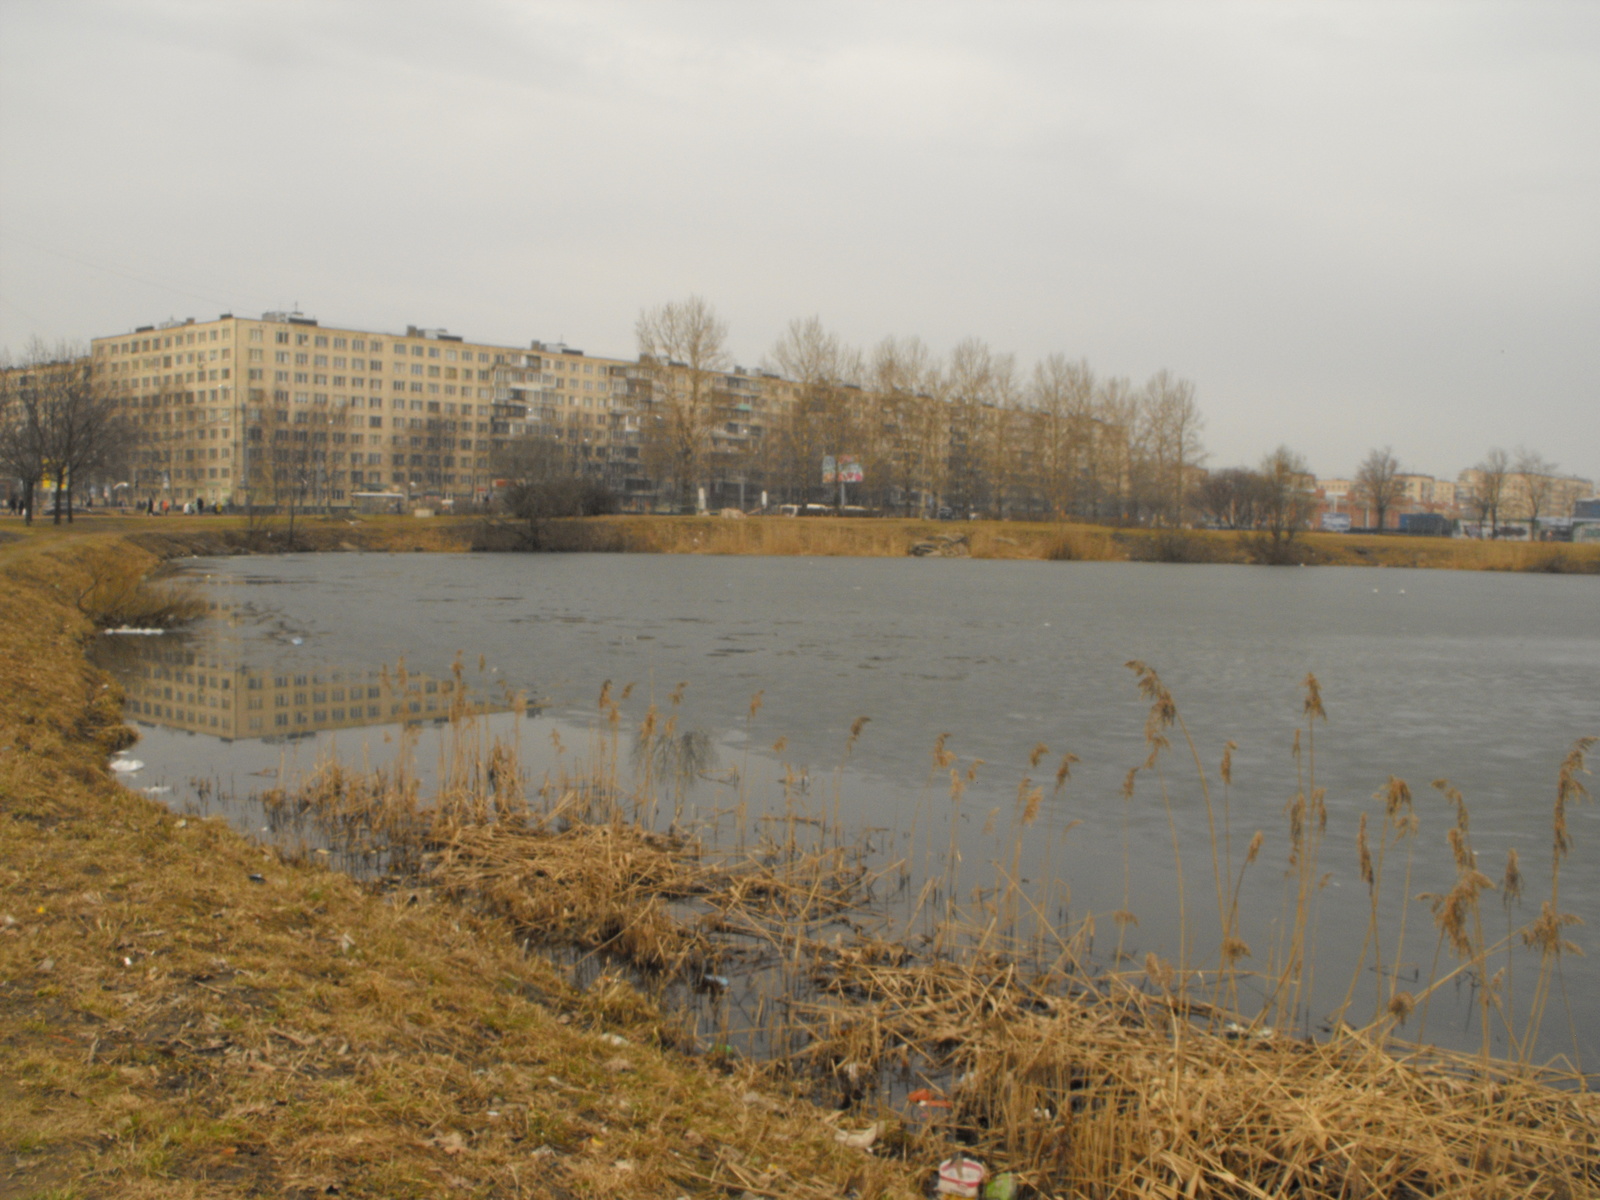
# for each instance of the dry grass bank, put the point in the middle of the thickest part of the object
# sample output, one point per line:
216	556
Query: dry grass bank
891	537
183	1014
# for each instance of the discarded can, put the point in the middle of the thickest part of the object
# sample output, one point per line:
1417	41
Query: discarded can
960	1176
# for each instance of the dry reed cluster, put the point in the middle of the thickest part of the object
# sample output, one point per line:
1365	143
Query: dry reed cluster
1085	1079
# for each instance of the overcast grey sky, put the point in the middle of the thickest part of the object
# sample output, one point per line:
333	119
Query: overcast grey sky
1350	225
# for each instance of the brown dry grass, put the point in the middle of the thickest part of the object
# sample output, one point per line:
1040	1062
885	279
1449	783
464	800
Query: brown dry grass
890	537
1083	1083
172	1026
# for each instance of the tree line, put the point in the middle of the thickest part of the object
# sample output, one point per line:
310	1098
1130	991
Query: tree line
973	431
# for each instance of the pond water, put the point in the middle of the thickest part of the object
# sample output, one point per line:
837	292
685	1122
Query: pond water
1482	679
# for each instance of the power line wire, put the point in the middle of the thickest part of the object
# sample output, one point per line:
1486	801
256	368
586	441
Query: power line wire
109	270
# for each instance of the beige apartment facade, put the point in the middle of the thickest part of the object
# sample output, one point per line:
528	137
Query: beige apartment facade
283	409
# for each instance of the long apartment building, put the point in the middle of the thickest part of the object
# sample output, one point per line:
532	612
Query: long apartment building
239	410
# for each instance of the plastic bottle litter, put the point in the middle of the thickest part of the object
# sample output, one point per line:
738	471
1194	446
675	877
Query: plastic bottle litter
1003	1186
961	1176
860	1139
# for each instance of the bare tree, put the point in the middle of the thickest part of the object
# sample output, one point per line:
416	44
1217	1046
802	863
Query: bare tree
1536	483
1232	497
1171	422
22	431
1062	392
1286	503
1488	488
682	350
902	454
823	416
1378	483
977	382
59	426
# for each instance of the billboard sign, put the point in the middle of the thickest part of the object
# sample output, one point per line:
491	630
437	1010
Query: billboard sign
845	469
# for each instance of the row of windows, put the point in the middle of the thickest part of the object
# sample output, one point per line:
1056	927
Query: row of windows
167	341
449	355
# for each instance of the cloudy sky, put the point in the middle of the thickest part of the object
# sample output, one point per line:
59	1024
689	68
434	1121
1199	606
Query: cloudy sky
1351	225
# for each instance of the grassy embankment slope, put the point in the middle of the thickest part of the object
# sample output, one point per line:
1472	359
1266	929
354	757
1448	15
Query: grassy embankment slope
864	537
171	1025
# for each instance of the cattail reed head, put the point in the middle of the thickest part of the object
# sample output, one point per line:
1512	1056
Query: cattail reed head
1396	797
1037	754
1255	847
1064	771
1159	971
1226	769
1511	884
1401	1006
779	746
1297	827
1313	704
1453	910
755	704
1544	934
1233	949
942	758
605	694
1163	710
856	727
1367	875
1030	808
1127	783
972	770
1569	788
627	691
1461	850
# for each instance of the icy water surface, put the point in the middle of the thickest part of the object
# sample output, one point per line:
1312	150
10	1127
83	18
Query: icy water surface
1482	679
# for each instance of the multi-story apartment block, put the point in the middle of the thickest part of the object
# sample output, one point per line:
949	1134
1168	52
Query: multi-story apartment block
1521	497
240	410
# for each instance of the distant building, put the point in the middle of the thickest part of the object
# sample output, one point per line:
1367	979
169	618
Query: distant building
282	407
1522	497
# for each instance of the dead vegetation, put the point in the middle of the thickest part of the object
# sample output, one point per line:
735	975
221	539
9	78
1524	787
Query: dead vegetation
185	1014
890	537
1082	1080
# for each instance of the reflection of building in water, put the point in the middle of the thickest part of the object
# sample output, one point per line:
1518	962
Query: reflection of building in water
177	686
